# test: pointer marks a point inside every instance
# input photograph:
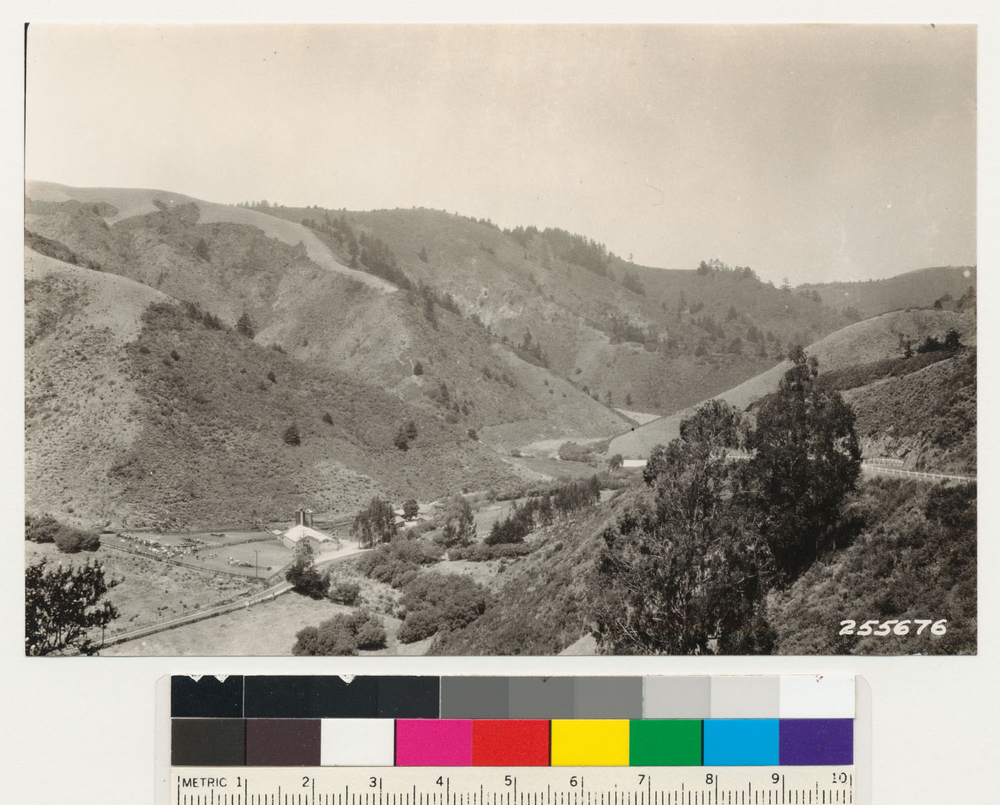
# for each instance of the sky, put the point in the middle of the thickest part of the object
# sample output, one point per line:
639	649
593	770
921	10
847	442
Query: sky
812	152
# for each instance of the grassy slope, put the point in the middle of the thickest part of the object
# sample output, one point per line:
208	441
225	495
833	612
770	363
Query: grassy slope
913	289
543	604
136	202
79	392
211	445
902	566
320	316
568	309
927	418
866	341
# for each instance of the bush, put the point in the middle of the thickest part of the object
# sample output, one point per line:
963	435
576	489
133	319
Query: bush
418	625
397	562
42	528
453	600
484	553
291	435
345	592
371	636
571	451
73	540
341	635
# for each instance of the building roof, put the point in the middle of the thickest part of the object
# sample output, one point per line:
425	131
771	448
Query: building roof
297	532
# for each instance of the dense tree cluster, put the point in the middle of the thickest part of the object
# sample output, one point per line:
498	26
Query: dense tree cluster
542	509
952	341
687	568
375	524
621	328
460	526
805	457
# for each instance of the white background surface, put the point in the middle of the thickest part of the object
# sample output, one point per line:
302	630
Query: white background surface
82	730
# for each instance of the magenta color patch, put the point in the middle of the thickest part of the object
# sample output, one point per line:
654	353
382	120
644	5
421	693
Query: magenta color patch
434	742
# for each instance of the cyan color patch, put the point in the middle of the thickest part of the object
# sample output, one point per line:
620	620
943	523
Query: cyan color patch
741	742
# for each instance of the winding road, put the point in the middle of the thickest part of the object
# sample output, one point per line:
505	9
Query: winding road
261	597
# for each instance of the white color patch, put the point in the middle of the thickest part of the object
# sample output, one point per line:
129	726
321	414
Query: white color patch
804	696
357	742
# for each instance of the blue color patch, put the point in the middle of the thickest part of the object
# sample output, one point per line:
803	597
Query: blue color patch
741	742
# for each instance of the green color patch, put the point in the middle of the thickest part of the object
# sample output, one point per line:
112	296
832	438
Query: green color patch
665	742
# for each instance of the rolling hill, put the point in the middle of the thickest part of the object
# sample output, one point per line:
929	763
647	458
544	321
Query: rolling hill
489	340
868	341
233	261
159	417
653	339
914	289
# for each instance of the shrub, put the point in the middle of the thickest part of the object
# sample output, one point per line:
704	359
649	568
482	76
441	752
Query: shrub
371	636
417	626
291	435
484	553
73	540
244	326
340	635
454	600
327	418
345	592
418	368
42	528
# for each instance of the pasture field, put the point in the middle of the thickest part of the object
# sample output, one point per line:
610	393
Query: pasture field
265	630
209	551
554	468
149	590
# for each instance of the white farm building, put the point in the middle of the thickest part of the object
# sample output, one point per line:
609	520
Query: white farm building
303	531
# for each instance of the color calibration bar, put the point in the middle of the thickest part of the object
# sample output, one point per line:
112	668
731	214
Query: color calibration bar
482	697
511	742
512	721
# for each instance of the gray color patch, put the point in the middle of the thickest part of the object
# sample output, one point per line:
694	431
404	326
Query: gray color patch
745	696
608	697
541	697
677	697
474	697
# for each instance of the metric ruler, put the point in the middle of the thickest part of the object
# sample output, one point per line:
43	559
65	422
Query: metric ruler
584	785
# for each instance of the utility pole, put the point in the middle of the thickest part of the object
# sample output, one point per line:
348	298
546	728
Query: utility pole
256	563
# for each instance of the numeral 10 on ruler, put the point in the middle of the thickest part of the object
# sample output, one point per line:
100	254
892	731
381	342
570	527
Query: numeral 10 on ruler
694	785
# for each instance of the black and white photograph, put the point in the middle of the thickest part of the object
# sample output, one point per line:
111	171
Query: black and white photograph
455	339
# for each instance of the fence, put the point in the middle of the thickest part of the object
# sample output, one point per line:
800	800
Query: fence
188	565
195	617
889	462
920	476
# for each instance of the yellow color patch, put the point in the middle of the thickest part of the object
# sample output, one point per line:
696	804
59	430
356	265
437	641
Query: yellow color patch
590	742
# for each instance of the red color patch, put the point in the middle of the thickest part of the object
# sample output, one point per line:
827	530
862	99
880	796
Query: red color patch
510	742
